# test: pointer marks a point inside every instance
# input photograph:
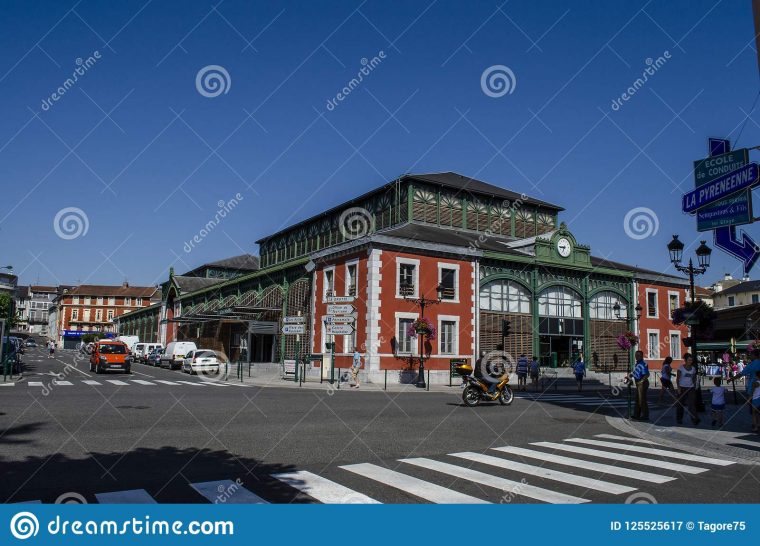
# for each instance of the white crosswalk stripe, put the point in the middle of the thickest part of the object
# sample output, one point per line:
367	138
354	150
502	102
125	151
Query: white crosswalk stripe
322	489
414	486
663	465
36	384
166	382
516	488
142	382
227	492
653	451
626	439
91	382
541	472
63	383
131	496
590	465
117	382
195	383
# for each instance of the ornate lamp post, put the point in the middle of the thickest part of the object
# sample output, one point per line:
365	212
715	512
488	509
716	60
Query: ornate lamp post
408	291
617	309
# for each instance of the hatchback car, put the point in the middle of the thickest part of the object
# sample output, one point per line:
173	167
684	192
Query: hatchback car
110	356
201	360
30	343
154	358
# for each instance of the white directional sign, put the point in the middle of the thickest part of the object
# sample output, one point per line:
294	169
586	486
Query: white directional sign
340	299
339	329
339	319
294	320
340	309
290	329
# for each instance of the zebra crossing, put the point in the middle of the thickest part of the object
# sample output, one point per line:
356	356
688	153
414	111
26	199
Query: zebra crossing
573	400
546	472
125	383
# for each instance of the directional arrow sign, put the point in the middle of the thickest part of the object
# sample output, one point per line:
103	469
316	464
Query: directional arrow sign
724	186
743	248
340	309
294	320
290	329
340	299
339	319
339	329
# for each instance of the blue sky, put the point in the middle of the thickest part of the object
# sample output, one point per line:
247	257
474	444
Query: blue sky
147	157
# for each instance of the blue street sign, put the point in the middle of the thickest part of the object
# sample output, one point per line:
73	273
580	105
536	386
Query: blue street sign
743	248
721	187
730	211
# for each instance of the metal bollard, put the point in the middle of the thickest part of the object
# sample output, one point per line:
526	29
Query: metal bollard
427	385
339	377
385	386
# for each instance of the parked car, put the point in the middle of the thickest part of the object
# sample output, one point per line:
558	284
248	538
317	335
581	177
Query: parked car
30	343
201	360
142	350
175	353
110	356
154	358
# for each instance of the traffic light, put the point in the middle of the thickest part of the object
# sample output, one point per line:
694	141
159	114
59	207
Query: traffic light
506	328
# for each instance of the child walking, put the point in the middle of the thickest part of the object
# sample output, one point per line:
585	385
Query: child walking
718	402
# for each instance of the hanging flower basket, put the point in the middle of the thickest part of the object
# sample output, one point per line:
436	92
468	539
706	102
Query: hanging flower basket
422	327
627	340
698	316
752	345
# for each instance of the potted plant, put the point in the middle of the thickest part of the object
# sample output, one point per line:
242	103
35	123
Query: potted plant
627	340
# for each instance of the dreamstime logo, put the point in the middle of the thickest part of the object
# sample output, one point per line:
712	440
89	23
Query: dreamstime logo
356	222
70	223
497	81
71	498
213	80
83	65
495	365
225	207
368	65
652	66
640	223
641	498
24	525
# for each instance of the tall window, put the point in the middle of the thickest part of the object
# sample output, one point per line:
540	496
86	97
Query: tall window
111	300
329	283
127	301
602	306
406	278
654	345
99	315
351	279
731	301
139	302
755	298
675	346
87	300
559	301
672	302
405	342
75	314
100	300
87	315
449	283
506	296
75	300
652	304
110	315
448	337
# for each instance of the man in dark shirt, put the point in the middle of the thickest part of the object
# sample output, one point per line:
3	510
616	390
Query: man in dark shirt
641	379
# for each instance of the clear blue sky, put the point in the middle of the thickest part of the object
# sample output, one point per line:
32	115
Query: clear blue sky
149	176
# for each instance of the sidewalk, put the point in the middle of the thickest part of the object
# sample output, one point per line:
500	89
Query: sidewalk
733	441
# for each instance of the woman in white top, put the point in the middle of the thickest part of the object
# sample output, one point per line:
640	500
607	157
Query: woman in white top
686	378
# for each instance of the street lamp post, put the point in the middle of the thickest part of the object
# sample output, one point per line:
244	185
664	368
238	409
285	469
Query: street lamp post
407	291
616	308
675	248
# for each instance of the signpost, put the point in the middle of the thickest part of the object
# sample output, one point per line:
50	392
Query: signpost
340	309
340	319
291	329
340	299
339	329
733	210
720	188
294	320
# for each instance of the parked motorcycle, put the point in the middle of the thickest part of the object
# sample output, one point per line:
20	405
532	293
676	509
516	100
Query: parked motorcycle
475	391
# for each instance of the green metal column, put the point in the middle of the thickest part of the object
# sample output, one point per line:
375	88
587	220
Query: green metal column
410	203
534	314
285	290
586	321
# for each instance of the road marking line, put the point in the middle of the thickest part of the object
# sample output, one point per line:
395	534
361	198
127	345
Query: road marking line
142	382
662	465
191	383
532	470
166	382
214	384
64	383
7	384
131	496
586	465
227	492
652	451
117	382
414	486
626	438
36	384
140	373
518	488
322	489
91	382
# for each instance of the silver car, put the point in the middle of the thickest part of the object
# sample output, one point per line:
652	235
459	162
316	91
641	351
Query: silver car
201	360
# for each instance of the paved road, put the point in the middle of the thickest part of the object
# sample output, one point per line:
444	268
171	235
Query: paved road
163	436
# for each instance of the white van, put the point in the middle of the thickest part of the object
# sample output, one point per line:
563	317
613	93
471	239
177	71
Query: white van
175	354
142	350
129	341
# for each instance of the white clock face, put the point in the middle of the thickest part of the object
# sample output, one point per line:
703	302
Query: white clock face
564	247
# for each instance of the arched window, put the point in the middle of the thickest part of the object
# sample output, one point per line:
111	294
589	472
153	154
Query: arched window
601	306
560	301
505	296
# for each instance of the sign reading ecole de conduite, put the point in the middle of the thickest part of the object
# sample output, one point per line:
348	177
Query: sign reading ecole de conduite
720	188
735	209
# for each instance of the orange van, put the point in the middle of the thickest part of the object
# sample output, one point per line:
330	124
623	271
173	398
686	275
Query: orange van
110	356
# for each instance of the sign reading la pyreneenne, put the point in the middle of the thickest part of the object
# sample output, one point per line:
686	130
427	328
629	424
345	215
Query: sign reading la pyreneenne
719	188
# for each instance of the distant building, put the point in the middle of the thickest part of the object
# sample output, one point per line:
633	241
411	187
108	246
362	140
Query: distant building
32	305
92	309
8	283
741	293
705	295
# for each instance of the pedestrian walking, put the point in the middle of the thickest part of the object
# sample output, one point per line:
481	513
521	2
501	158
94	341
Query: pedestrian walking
534	372
718	402
522	373
356	366
641	380
666	382
686	379
579	368
749	372
51	349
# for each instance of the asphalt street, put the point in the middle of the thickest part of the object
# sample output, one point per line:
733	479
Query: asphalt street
163	436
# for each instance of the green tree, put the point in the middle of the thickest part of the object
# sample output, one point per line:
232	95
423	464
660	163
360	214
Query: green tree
7	310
